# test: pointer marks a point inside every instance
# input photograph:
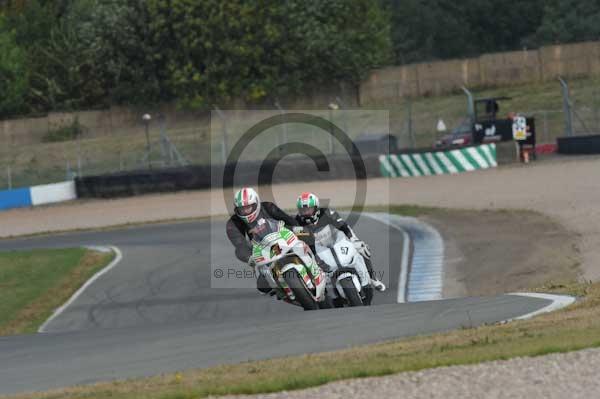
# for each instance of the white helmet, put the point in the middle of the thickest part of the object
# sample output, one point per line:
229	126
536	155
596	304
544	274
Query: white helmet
308	208
247	204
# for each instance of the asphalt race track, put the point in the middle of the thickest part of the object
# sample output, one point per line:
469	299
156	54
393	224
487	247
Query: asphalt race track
156	311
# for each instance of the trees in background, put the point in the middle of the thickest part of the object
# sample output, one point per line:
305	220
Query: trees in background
75	54
91	53
13	73
251	50
425	30
567	21
85	53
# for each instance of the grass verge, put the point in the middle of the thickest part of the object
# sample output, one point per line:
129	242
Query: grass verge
33	283
576	327
573	328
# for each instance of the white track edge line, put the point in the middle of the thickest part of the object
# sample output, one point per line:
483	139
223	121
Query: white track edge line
404	263
60	310
558	302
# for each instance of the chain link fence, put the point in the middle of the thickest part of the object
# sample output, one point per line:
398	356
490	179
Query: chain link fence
77	150
581	107
39	151
416	121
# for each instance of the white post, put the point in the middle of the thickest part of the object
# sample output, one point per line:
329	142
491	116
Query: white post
331	148
546	140
282	139
68	173
79	174
9	177
332	106
224	149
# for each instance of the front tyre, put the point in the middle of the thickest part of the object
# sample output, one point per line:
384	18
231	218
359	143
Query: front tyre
352	296
301	292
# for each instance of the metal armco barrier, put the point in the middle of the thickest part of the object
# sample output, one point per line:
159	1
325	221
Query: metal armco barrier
574	145
440	162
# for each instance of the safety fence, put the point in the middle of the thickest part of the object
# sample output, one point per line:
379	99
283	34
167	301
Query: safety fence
199	177
270	172
439	162
579	145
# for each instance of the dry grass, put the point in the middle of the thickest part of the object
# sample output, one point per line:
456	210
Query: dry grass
573	328
124	148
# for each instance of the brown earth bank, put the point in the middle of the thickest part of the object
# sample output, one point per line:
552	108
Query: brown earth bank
491	252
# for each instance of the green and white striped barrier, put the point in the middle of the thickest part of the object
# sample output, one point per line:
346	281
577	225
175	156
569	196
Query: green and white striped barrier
439	163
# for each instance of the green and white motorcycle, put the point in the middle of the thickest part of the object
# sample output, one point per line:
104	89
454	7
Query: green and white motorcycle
288	265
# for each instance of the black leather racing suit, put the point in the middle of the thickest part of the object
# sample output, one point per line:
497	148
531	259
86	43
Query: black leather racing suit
239	234
329	217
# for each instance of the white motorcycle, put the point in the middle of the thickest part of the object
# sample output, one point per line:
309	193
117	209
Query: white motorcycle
349	282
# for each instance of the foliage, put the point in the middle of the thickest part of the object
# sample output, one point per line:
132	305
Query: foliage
221	51
568	21
125	54
424	30
13	74
91	53
81	54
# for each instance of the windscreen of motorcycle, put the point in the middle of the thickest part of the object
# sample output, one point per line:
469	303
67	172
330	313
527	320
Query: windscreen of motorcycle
262	228
325	236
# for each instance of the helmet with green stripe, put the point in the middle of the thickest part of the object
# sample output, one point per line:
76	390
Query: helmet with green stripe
308	207
247	204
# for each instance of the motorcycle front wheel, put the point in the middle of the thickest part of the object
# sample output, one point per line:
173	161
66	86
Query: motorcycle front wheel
352	296
301	292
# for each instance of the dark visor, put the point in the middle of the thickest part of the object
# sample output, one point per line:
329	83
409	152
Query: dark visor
306	211
245	210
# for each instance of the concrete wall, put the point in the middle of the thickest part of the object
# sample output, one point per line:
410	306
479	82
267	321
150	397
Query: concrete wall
527	66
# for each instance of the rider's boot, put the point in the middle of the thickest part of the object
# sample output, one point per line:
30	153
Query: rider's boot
324	266
263	285
378	285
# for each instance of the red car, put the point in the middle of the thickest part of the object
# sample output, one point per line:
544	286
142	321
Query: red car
460	136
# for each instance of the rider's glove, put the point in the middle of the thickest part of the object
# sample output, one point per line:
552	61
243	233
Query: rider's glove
362	248
298	229
251	262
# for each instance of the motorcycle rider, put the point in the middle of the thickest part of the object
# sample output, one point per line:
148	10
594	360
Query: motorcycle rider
241	227
313	217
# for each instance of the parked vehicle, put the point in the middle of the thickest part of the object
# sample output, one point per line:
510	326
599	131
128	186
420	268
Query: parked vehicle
483	125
